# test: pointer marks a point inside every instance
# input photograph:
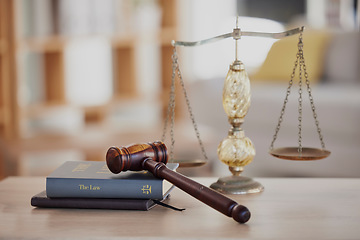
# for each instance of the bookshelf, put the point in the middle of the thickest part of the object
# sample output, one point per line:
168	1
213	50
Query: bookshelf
23	34
9	112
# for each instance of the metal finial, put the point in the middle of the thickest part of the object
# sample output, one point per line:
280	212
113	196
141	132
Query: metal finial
236	40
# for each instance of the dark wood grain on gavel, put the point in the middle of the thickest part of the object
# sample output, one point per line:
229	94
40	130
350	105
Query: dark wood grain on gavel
153	157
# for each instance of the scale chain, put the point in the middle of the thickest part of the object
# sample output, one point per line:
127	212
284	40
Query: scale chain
171	108
288	91
300	61
312	102
300	97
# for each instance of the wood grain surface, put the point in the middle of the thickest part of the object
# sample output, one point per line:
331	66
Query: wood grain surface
289	208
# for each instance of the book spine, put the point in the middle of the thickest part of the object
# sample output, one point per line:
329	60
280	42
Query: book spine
101	188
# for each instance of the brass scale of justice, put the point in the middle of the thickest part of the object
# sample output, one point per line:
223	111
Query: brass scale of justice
237	150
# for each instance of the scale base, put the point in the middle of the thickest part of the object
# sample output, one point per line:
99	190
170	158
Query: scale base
237	185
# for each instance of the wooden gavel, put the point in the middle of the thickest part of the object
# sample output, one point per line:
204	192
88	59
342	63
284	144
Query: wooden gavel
153	157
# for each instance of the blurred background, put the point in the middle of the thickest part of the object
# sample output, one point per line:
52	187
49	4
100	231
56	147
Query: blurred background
77	77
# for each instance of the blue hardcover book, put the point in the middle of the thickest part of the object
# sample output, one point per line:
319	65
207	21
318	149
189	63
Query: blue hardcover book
75	179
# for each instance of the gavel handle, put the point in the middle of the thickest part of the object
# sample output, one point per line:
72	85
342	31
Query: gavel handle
208	196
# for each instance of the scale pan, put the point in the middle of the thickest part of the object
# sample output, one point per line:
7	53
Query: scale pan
190	163
292	153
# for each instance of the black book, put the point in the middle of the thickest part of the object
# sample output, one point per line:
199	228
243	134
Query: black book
43	201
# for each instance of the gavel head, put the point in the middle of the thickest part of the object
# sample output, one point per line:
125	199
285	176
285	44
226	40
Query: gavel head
132	157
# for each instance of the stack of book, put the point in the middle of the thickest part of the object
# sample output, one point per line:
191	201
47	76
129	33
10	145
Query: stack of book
90	185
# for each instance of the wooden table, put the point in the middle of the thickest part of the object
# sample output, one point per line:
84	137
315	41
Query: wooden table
289	208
